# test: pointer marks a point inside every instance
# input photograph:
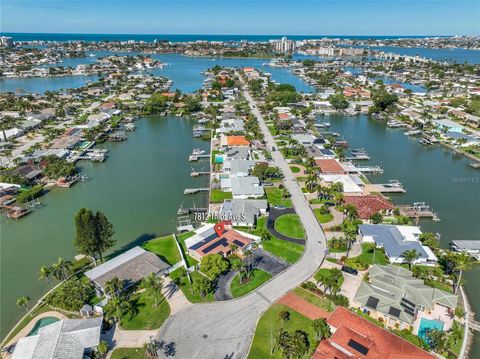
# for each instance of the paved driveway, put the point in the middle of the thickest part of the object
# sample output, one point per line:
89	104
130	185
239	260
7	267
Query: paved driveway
222	292
225	329
267	262
272	216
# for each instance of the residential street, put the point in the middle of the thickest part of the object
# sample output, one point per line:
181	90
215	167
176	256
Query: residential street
225	329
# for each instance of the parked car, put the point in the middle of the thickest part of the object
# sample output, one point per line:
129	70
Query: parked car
267	184
270	223
349	270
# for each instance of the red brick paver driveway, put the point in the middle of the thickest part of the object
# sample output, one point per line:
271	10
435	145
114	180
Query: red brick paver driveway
303	306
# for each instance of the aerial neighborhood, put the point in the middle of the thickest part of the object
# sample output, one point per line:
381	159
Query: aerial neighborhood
283	228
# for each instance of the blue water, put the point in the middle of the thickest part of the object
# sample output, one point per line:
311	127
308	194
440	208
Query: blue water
177	37
427	325
184	71
39	85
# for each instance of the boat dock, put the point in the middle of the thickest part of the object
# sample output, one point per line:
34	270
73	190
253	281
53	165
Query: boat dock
199	173
374	170
195	190
193	158
186	211
418	210
393	186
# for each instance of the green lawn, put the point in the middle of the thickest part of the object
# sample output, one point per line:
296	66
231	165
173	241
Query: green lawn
129	353
272	130
269	326
322	218
165	248
340	249
367	258
325	273
290	226
275	197
147	316
186	288
290	252
295	169
257	279
181	239
217	196
321	302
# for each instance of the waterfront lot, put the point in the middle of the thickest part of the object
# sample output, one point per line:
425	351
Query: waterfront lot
165	248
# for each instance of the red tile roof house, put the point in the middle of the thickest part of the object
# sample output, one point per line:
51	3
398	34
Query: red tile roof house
330	167
369	205
207	241
354	337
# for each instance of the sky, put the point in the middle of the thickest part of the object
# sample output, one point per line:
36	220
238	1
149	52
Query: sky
246	17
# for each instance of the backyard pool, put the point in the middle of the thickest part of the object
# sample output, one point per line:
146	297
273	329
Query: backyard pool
426	325
42	323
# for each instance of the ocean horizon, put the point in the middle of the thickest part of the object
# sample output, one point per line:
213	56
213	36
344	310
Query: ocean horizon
24	36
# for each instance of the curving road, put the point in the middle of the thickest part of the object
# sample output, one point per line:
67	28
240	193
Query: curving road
225	329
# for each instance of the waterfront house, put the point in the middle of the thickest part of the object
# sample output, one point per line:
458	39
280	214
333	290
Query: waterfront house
207	241
393	296
68	338
243	212
131	267
234	141
368	205
246	187
237	153
395	240
349	185
330	167
354	337
238	168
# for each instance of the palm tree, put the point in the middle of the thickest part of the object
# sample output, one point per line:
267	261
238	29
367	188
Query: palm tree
437	340
23	302
153	285
462	262
61	268
351	212
113	287
119	307
45	272
410	256
321	328
7	123
456	332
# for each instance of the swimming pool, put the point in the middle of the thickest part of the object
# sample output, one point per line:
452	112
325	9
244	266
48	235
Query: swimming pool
427	325
43	322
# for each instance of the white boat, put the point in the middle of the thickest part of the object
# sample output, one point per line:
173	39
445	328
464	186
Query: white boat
413	133
198	151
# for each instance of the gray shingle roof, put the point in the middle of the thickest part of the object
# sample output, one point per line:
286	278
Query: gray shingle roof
394	286
246	209
131	266
63	339
390	238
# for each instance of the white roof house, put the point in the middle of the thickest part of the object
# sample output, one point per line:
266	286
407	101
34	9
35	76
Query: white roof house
68	338
349	185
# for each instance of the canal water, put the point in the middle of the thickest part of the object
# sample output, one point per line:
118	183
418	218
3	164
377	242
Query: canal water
436	175
139	188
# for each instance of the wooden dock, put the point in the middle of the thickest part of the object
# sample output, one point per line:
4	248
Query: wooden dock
418	210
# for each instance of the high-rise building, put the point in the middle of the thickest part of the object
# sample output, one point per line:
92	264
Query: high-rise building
284	45
6	41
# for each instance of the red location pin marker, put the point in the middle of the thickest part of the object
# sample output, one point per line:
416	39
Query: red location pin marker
219	228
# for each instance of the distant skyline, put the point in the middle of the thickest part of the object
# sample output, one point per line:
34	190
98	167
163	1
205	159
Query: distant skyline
246	17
